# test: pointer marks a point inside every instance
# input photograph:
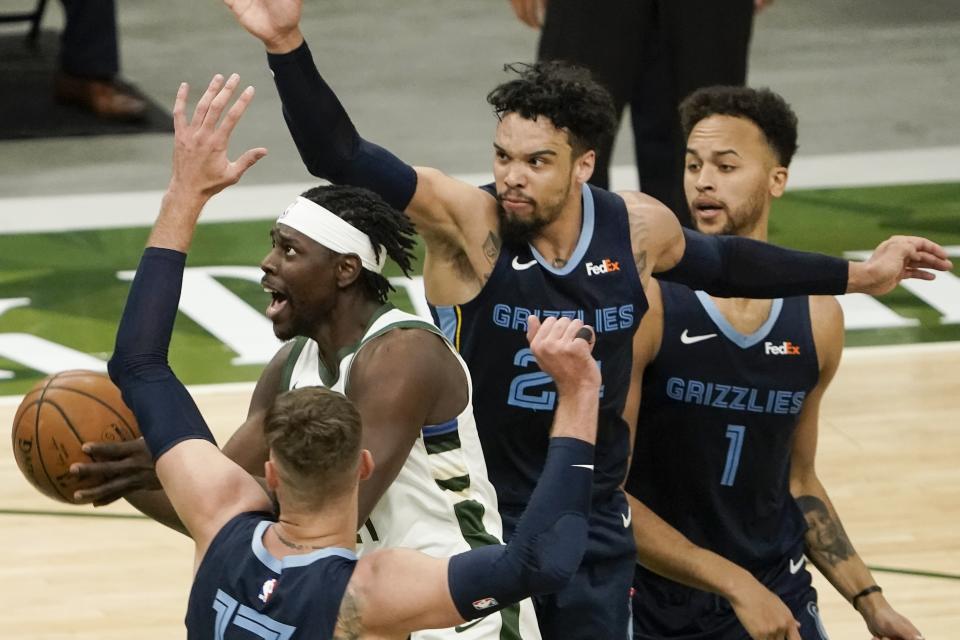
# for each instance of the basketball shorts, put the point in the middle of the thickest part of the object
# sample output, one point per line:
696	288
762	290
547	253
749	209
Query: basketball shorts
665	609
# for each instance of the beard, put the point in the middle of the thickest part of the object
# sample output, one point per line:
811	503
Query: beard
742	220
517	231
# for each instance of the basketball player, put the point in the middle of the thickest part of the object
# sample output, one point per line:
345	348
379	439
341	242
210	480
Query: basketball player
541	242
429	490
727	429
295	574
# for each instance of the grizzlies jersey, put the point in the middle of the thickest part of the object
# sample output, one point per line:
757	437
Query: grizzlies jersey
441	502
241	591
716	425
515	401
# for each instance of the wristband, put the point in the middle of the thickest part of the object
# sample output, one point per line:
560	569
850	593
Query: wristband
871	589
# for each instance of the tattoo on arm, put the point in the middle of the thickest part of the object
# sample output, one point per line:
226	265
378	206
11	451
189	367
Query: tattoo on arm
349	626
638	242
491	247
826	540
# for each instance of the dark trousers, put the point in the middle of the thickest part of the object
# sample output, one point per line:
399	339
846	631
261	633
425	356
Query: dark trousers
650	54
88	44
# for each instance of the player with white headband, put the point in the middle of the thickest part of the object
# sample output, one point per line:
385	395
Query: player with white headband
429	489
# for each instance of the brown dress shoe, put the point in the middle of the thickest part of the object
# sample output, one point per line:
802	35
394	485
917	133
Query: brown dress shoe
109	99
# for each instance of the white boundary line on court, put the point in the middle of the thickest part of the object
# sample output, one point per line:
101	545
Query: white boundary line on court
873	351
258	202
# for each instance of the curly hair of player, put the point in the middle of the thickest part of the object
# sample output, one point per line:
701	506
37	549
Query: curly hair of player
386	227
563	92
771	113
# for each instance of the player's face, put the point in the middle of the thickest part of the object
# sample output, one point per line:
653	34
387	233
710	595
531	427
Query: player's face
730	177
300	276
534	172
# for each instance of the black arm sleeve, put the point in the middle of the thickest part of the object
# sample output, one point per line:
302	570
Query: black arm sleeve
728	266
163	407
328	142
546	548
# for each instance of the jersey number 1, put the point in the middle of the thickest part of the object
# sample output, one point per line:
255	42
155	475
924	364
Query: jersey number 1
735	435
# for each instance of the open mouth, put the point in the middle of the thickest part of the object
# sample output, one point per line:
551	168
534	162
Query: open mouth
278	302
708	209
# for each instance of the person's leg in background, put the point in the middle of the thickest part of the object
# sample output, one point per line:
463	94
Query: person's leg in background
604	37
90	62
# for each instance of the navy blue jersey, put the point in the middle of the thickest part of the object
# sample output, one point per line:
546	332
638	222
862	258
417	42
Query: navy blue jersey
716	425
513	400
241	591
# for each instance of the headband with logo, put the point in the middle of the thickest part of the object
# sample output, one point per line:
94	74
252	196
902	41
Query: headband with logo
332	231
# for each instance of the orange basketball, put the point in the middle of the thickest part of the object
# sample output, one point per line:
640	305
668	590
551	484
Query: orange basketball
56	417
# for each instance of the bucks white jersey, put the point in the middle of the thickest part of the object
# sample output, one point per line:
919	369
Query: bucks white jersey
441	502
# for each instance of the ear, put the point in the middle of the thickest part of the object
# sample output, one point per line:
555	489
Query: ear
349	268
583	166
778	181
366	465
270	475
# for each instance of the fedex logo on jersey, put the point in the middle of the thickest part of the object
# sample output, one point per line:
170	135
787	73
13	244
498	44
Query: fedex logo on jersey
607	266
787	348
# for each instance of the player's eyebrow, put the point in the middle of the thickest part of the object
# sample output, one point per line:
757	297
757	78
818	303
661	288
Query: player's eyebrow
726	152
533	154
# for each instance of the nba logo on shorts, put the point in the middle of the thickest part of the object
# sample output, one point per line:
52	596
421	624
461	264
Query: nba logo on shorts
484	603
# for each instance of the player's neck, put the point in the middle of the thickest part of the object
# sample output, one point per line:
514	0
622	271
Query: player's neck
297	534
557	241
344	327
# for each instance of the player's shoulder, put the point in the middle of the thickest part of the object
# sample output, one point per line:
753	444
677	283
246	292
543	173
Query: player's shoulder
413	351
825	312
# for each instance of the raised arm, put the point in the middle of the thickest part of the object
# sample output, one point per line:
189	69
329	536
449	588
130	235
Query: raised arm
397	590
455	218
731	266
205	488
827	544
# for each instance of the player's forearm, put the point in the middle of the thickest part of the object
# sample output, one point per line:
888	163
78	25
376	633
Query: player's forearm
576	414
827	543
329	144
667	552
730	266
547	547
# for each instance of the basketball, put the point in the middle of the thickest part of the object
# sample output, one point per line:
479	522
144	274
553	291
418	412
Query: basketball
56	417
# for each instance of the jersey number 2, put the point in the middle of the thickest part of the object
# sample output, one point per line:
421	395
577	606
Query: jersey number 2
522	387
735	435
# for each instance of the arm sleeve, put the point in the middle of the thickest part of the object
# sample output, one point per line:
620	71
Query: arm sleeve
547	546
328	142
729	266
164	409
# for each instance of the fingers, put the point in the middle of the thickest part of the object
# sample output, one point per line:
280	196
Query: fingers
200	111
236	111
247	160
793	631
220	101
533	326
105	493
179	106
105	450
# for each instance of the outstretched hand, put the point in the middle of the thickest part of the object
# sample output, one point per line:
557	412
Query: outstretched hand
275	22
200	163
120	468
896	259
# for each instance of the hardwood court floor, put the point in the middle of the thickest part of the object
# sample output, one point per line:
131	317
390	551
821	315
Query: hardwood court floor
889	444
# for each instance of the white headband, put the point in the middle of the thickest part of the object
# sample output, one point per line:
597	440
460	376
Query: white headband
332	231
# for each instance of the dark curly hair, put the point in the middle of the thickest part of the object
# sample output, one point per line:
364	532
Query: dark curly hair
562	92
763	107
386	227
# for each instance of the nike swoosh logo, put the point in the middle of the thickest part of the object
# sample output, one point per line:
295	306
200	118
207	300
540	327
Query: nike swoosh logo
463	627
685	338
796	567
522	266
628	518
583	466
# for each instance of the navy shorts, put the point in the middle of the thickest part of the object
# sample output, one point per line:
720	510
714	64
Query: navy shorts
664	609
596	602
